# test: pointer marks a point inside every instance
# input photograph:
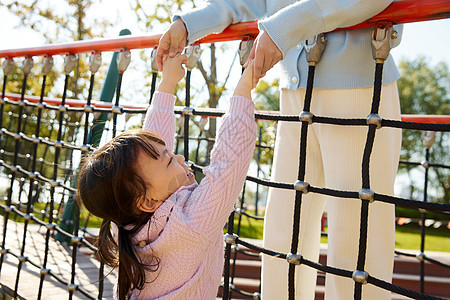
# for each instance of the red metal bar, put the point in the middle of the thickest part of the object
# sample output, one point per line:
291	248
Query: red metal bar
400	11
409	11
434	119
113	44
431	119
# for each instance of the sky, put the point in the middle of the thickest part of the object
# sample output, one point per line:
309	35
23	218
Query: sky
430	39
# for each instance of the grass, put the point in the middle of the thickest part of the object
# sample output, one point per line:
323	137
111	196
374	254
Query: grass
406	236
250	228
436	239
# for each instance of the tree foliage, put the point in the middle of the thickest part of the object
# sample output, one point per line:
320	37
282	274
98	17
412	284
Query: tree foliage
425	89
62	21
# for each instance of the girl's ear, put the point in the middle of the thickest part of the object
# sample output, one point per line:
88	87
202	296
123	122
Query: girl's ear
148	204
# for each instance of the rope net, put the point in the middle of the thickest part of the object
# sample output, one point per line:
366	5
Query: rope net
43	141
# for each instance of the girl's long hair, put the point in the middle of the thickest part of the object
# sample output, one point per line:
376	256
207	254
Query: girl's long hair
109	188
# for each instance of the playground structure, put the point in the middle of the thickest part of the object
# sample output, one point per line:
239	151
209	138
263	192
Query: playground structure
24	169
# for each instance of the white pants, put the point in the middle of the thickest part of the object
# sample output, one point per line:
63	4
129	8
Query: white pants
333	160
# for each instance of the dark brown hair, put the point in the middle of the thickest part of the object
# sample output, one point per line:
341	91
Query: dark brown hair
109	187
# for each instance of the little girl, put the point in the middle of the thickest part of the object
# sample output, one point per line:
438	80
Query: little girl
161	228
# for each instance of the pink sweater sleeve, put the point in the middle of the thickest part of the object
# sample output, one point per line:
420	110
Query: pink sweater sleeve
213	200
160	118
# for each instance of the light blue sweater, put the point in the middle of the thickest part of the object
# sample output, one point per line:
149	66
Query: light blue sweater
347	61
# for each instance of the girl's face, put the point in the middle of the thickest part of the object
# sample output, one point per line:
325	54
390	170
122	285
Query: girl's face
162	176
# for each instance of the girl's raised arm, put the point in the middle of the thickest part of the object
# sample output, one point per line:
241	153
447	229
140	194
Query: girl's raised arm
214	199
160	117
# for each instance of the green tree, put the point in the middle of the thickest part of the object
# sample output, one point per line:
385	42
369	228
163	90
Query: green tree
67	23
425	90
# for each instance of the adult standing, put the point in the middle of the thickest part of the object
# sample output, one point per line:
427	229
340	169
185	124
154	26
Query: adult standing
343	88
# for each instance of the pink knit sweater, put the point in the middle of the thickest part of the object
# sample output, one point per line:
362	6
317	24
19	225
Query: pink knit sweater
185	233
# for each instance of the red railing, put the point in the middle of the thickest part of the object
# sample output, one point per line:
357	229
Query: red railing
400	11
431	119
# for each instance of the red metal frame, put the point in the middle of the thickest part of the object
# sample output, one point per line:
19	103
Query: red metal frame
431	119
400	11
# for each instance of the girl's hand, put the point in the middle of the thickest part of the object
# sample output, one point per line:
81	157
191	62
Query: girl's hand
173	72
247	82
172	42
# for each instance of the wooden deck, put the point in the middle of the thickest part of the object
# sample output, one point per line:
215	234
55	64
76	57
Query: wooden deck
247	271
59	262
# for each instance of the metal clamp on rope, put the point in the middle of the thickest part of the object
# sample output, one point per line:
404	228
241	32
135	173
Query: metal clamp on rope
256	296
19	136
4	251
154	60
54	183
301	186
37	140
33	175
88	109
425	164
314	48
193	54
50	226
374	119
72	287
22	103
366	194
76	240
28	217
295	259
22	258
41	105
59	144
85	148
44	271
13	169
70	60
428	138
230	238
123	60
382	41
360	276
245	48
8	65
238	211
95	60
306	116
27	65
187	111
420	256
117	110
47	64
